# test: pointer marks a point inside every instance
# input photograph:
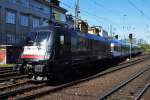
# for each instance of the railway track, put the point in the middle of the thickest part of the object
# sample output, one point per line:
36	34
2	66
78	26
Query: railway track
15	84
22	88
121	91
18	76
49	88
142	92
5	71
136	59
35	91
6	75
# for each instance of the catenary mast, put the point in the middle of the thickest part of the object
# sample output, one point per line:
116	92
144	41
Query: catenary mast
76	14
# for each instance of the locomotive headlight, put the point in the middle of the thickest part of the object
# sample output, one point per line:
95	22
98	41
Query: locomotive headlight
112	44
112	47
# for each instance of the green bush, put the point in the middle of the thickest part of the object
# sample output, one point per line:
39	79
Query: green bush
6	65
145	47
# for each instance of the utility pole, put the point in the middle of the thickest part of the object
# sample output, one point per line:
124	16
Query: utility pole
111	30
124	27
76	14
130	39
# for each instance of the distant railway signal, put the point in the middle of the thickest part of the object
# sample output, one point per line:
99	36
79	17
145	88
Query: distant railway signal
116	36
130	39
130	36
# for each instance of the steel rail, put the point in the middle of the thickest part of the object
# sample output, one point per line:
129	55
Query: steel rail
5	71
14	77
20	90
8	74
55	89
138	97
13	85
109	93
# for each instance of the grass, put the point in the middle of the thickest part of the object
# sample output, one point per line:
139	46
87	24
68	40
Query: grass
7	65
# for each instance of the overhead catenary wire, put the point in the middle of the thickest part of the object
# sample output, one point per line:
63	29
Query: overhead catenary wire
89	14
106	8
139	10
84	13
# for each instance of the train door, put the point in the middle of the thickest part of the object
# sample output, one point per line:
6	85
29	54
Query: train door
63	43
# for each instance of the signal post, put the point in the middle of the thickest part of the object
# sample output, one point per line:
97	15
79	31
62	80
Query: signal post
130	39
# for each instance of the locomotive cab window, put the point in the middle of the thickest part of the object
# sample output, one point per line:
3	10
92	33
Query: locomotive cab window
39	38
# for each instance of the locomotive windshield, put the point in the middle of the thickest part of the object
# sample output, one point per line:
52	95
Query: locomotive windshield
38	38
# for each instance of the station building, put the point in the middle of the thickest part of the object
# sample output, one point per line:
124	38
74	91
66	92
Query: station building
18	17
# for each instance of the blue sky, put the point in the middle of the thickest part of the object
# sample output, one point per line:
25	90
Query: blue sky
118	13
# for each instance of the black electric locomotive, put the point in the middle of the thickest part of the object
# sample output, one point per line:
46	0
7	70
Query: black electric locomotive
50	49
